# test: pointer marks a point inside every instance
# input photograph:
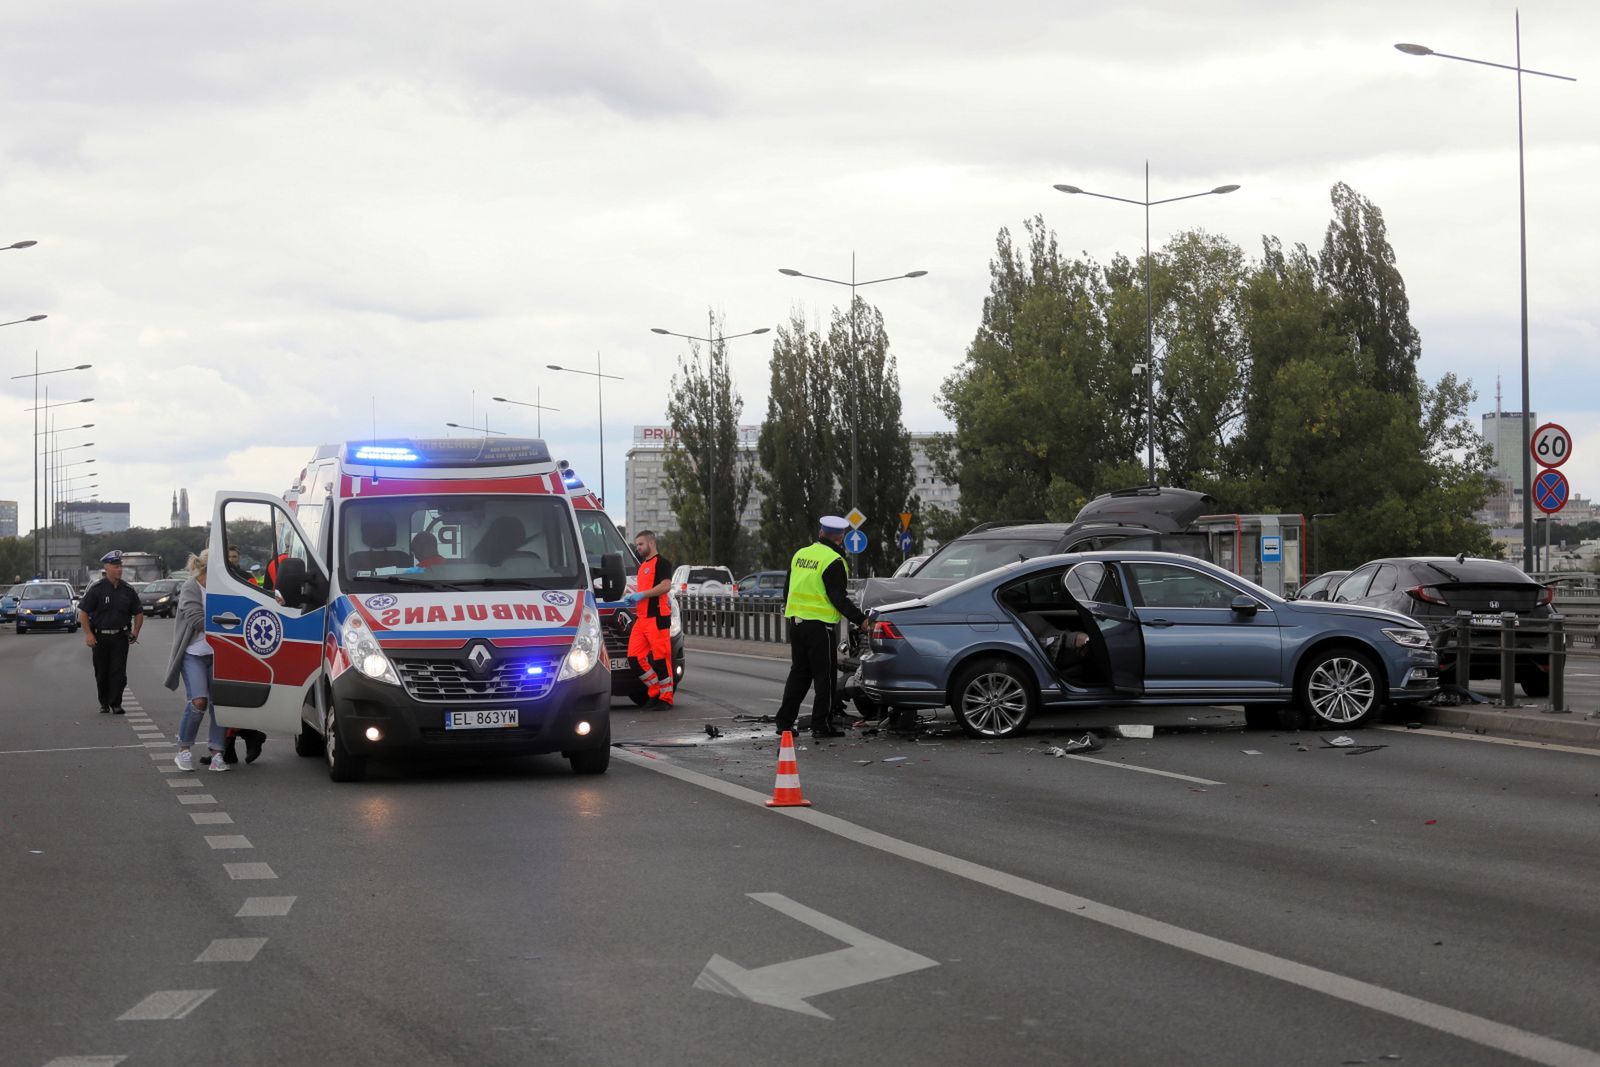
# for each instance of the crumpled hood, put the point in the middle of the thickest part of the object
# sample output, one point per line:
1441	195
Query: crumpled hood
876	592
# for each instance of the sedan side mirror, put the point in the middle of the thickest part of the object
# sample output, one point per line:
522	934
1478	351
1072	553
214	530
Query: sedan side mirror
1245	605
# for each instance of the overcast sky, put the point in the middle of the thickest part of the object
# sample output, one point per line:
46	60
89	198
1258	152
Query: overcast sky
260	222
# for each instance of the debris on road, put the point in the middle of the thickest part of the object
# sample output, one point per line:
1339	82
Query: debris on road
895	759
1140	730
1341	741
712	731
1255	751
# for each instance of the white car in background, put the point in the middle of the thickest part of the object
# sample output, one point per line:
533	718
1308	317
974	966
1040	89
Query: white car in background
704	580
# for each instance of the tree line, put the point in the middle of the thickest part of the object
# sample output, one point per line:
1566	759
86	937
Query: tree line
1284	382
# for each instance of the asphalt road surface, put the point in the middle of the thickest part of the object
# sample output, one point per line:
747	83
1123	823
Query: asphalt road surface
1205	896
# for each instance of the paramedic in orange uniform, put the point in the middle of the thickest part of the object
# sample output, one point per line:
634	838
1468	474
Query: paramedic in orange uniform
650	641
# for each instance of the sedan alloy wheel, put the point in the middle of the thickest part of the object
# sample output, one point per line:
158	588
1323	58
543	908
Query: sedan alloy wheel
1339	689
992	699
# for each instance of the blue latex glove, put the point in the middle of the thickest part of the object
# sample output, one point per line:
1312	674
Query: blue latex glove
633	598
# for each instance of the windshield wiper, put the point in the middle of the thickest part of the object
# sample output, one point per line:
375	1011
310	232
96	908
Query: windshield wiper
523	583
406	579
1447	574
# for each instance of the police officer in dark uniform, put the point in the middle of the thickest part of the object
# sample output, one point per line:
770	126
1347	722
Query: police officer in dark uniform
815	603
111	615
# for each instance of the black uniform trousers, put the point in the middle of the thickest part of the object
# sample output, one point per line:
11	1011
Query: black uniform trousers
812	665
111	667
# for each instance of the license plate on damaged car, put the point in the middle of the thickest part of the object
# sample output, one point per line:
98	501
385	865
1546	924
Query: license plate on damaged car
1490	620
480	719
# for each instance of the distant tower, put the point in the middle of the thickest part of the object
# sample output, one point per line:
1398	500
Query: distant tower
173	521
183	507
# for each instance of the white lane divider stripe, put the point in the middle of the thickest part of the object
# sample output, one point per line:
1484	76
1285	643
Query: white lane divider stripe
86	1061
231	950
174	769
210	818
264	907
1144	770
83	748
228	841
244	872
196	798
1512	741
182	783
167	1004
158	744
1481	1031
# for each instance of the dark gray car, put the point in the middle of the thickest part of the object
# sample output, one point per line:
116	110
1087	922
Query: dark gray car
1162	628
1434	589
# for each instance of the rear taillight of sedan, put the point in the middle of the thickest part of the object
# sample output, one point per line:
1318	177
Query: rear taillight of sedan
1425	594
884	630
1548	596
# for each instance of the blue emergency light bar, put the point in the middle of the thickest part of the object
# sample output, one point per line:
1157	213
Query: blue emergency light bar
448	452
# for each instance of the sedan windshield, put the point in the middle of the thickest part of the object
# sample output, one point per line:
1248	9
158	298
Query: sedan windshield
459	542
46	592
965	559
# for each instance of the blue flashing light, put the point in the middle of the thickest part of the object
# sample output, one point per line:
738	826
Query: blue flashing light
386	454
570	478
535	670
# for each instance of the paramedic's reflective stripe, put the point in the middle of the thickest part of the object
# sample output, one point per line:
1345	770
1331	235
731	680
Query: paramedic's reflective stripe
808	597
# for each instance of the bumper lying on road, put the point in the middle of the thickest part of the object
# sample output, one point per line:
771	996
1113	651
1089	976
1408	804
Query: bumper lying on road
548	724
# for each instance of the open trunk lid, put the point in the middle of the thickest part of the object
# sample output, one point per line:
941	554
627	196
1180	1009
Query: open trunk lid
1164	509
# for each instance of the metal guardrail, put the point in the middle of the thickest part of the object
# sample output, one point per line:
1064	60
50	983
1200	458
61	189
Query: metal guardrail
1477	636
734	618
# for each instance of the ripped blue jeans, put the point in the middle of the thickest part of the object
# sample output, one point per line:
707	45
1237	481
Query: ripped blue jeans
197	687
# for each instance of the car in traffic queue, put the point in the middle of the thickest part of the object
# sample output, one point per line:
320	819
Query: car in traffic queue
1321	587
428	596
46	605
160	597
8	603
601	537
910	565
1437	591
703	579
1163	629
763	585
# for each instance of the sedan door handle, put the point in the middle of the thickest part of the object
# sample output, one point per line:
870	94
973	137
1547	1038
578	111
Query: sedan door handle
1158	623
227	620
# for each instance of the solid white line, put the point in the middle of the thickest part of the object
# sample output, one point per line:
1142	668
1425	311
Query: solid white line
1143	770
264	907
1512	741
247	872
1460	1024
167	1004
231	950
210	818
737	655
228	841
85	748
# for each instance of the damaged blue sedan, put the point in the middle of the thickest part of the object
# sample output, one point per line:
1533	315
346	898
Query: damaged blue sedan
1138	629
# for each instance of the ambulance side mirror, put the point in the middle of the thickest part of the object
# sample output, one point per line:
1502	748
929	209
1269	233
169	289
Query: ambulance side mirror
610	578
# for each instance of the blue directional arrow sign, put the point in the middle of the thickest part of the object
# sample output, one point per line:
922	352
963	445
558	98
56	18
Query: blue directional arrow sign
855	542
1550	491
905	541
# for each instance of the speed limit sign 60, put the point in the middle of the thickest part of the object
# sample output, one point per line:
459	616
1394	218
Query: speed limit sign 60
1551	445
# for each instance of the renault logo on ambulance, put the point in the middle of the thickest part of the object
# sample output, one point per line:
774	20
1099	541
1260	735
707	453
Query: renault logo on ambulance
479	658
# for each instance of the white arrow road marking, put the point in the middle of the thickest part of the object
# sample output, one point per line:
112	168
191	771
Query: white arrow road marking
787	985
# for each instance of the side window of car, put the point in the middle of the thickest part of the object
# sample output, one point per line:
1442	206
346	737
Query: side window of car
1094	583
1354	587
1385	581
1161	585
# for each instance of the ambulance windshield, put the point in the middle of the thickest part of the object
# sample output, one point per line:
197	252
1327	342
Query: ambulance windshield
601	538
452	541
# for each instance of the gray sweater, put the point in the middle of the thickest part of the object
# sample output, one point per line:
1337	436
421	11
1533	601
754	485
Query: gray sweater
191	619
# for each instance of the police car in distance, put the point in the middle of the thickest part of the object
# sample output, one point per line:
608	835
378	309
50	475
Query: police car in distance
415	595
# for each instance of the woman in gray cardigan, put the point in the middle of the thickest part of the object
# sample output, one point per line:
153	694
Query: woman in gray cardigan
190	660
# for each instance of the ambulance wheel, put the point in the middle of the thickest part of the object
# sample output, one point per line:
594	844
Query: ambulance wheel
590	760
307	742
343	765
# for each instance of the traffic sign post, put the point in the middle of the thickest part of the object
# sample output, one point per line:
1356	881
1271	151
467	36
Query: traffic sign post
1550	491
1551	445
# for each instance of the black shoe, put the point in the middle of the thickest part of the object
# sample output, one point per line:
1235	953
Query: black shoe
229	755
252	749
826	731
104	710
780	729
116	711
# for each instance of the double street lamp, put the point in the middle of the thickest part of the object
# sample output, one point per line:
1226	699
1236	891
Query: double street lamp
1522	225
711	438
539	409
36	375
1149	307
599	385
18	244
855	406
30	318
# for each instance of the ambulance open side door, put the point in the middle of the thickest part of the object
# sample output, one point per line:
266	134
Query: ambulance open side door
266	609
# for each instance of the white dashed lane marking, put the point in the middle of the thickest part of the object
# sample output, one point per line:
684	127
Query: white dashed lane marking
167	1004
196	798
228	841
182	783
231	950
241	872
86	1061
264	907
210	818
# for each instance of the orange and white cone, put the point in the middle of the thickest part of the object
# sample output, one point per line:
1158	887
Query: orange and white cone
786	790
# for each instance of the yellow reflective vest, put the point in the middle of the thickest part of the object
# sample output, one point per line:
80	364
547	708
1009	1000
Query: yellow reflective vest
808	597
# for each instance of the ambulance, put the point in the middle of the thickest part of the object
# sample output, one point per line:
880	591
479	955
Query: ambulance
422	596
600	537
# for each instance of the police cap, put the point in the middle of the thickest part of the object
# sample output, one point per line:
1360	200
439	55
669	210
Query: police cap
834	524
111	557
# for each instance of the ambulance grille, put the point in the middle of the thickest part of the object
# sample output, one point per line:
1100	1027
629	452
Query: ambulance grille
441	681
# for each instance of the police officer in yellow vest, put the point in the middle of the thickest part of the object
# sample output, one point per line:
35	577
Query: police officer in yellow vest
816	601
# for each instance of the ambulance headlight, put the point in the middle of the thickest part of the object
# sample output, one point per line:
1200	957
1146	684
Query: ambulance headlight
586	647
364	653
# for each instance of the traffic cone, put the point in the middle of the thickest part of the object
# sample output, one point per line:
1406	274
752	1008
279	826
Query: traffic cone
786	790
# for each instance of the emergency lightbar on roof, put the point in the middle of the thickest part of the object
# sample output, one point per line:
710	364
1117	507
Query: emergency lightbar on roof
448	452
569	477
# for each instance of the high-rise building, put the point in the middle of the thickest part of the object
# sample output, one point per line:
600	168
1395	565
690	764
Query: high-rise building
8	518
1503	431
93	516
180	509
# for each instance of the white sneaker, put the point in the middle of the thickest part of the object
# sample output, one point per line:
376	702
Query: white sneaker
216	762
184	760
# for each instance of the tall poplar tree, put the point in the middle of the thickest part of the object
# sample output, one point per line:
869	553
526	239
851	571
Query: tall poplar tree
797	446
706	482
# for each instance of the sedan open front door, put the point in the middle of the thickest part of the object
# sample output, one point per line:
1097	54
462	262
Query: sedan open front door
265	613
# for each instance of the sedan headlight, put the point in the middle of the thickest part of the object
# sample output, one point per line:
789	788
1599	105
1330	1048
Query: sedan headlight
163	600
24	611
1410	638
365	654
585	651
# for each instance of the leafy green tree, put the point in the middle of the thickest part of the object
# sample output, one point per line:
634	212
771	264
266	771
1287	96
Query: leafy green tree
1358	267
797	450
707	484
871	436
16	559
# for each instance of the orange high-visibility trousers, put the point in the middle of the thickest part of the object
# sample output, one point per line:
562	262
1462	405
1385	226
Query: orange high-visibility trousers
650	650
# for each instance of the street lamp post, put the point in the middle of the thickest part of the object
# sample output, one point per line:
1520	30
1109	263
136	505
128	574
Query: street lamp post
476	429
1522	227
1149	307
599	388
36	375
855	406
540	409
711	438
18	244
